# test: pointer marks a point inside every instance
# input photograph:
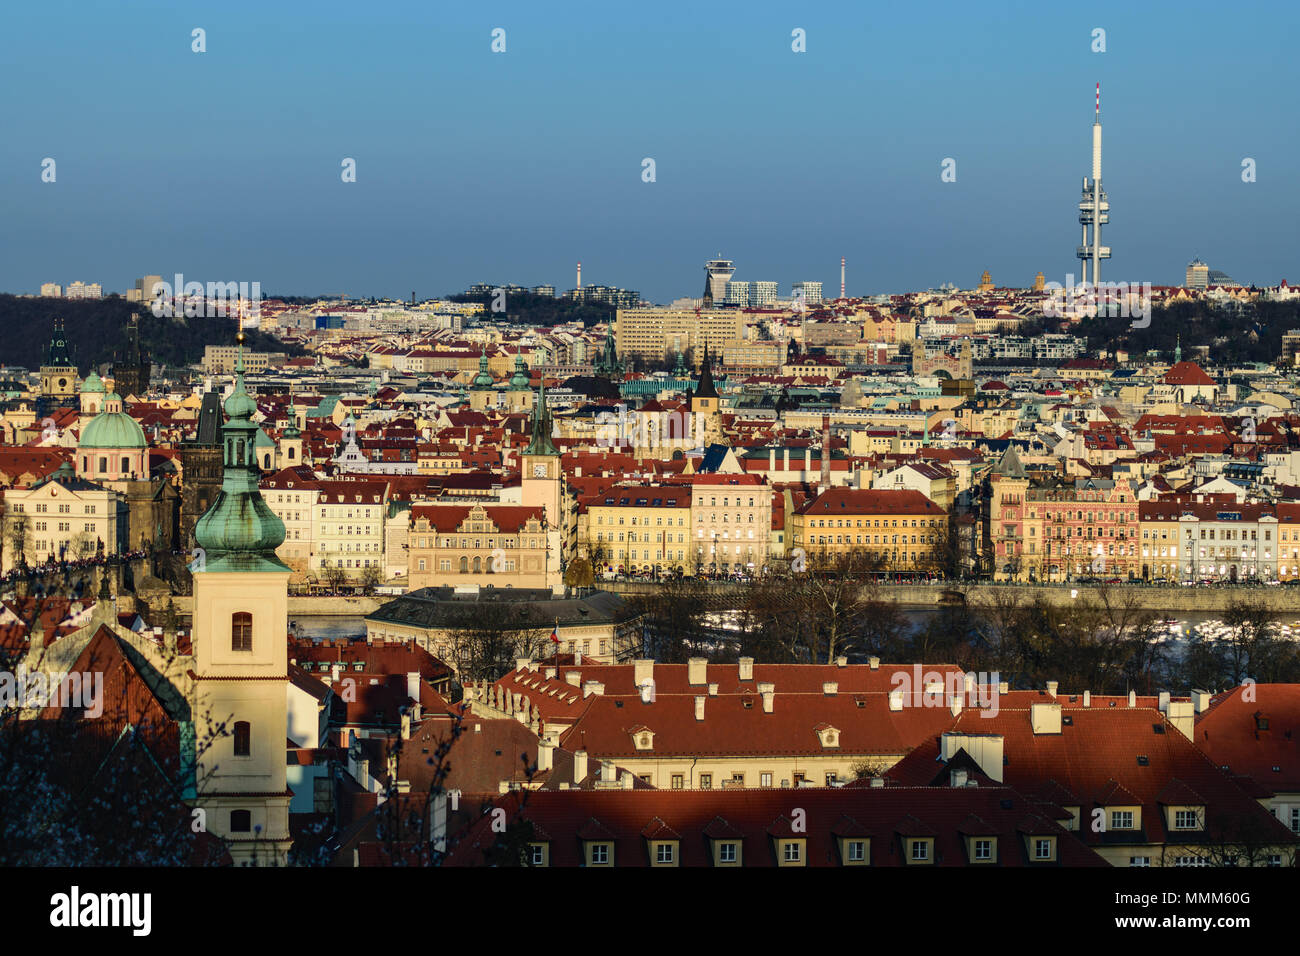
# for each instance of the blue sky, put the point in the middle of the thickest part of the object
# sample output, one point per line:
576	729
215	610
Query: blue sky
511	167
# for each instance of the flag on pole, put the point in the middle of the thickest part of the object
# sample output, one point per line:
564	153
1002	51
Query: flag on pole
555	633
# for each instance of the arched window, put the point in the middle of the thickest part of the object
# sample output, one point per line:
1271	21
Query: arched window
243	738
126	465
478	565
85	463
241	821
239	453
103	465
464	565
241	631
291	453
267	459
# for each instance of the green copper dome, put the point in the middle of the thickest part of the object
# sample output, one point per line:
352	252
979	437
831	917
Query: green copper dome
484	378
240	532
113	429
521	379
93	383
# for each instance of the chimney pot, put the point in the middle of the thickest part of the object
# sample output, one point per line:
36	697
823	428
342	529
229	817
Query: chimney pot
579	767
1051	688
874	663
1132	698
699	708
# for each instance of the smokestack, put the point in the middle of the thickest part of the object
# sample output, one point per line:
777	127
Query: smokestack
826	453
841	277
579	275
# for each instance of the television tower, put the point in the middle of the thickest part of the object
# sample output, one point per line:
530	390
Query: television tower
1093	208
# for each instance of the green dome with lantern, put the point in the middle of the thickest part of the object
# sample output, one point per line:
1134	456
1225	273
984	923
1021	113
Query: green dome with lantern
113	429
521	379
484	378
240	532
93	384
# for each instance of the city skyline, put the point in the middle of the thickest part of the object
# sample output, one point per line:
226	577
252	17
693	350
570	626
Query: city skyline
513	166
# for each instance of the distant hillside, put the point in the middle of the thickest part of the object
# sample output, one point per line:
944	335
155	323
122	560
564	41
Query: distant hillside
526	308
1252	335
97	331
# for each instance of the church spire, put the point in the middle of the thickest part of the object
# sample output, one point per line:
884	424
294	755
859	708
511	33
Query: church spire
706	388
540	443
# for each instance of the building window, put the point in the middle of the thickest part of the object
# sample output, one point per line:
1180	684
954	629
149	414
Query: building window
920	850
764	779
1139	861
241	631
983	849
243	738
706	781
664	853
791	851
1042	849
678	781
857	851
600	854
536	855
1185	820
726	853
241	821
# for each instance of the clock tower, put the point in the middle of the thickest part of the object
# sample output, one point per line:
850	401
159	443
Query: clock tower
542	483
59	373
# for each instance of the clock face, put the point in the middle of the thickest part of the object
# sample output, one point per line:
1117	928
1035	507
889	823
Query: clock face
539	470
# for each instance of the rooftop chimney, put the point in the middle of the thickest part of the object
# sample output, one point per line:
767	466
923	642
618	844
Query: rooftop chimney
545	755
830	688
1181	715
643	669
713	690
699	707
579	767
608	772
896	699
873	663
1132	698
1163	702
954	704
841	662
573	677
593	687
696	670
1087	698
1045	718
1051	688
1201	700
747	668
